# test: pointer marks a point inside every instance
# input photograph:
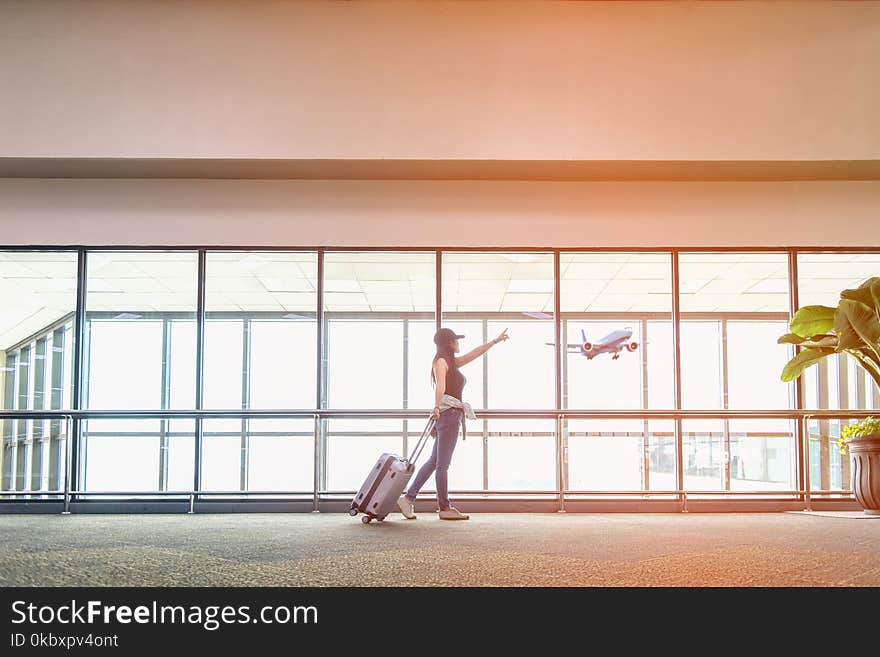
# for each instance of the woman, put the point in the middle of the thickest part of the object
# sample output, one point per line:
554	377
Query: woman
448	410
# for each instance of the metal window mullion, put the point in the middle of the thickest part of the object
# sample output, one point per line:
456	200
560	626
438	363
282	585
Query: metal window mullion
200	377
485	422
56	460
438	289
801	433
557	380
244	454
843	395
725	399
405	384
24	444
676	345
824	426
565	432
164	403
646	446
321	375
74	439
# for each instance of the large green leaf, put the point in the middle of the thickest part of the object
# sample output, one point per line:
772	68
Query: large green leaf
824	340
812	320
857	325
796	366
867	293
828	340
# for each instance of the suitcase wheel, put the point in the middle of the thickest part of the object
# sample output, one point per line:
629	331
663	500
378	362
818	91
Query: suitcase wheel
366	520
353	511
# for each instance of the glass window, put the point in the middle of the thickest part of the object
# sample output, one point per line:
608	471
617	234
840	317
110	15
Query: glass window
130	295
281	458
733	308
703	455
749	342
179	457
376	306
621	455
39	293
7	477
223	379
762	455
262	350
134	460
618	348
224	451
522	455
829	470
354	446
821	279
512	291
420	353
136	358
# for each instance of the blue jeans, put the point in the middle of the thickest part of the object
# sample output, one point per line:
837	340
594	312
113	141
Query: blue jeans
441	456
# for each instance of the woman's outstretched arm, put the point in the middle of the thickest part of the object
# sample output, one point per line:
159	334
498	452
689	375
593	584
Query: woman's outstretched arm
479	351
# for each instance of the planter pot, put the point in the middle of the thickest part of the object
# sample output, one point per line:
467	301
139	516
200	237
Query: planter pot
865	458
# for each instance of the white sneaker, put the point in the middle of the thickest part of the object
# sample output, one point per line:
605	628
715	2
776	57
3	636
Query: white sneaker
406	507
453	514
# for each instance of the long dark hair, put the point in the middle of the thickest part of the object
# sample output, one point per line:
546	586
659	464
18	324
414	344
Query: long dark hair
443	351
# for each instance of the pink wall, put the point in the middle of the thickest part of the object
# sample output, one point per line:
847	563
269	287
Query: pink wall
439	213
456	80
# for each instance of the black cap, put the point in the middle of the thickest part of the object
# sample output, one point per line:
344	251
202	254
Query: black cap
445	335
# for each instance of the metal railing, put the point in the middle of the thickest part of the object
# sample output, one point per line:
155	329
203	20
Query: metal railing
803	417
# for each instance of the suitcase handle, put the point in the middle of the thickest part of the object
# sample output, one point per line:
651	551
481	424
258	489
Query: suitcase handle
423	440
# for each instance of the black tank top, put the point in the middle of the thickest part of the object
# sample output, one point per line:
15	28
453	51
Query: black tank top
455	380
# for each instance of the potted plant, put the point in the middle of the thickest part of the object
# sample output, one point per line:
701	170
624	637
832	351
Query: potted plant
853	328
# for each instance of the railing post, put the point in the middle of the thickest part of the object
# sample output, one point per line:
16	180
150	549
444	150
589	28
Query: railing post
676	345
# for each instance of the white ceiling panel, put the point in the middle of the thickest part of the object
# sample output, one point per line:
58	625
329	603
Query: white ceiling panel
402	301
296	300
386	287
534	271
111	269
581	287
649	270
187	284
169	269
332	299
487	271
591	270
252	298
259	308
770	286
285	284
226	285
341	286
520	285
526	302
467	288
635	287
613	303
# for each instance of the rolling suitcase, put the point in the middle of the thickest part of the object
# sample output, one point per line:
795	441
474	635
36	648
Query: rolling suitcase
387	480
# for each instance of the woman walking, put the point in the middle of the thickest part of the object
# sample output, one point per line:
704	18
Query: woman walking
448	412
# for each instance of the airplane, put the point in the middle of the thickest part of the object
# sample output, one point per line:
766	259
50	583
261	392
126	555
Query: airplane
613	343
